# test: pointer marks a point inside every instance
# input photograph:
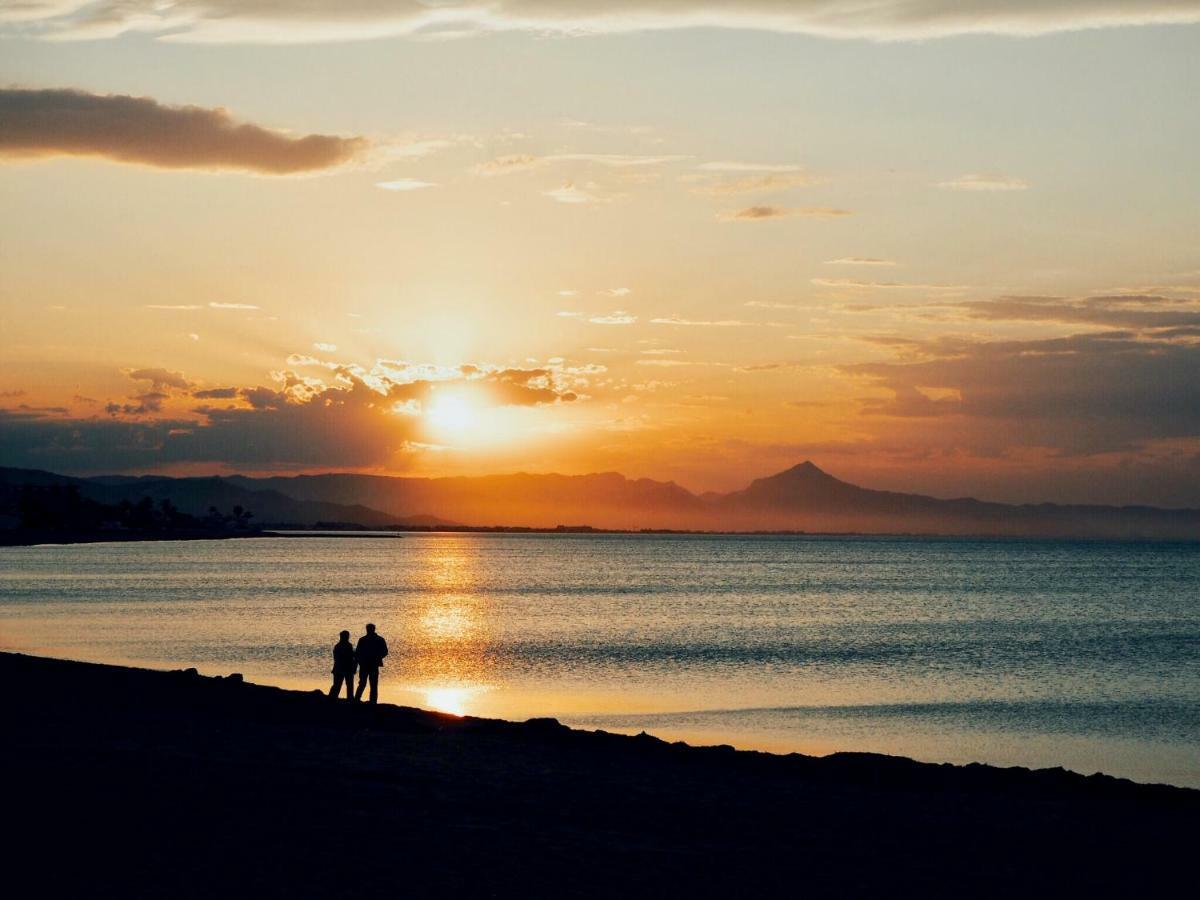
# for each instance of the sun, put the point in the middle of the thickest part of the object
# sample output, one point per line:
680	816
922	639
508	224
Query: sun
452	415
448	700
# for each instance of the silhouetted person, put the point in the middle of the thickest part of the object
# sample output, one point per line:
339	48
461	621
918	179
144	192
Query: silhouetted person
369	652
343	666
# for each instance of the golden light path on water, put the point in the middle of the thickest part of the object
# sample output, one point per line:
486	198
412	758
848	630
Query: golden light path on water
447	638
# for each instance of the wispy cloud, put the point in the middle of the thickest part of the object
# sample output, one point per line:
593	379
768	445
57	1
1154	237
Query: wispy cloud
405	184
573	194
701	323
271	22
142	131
524	162
884	285
232	306
766	213
771	304
620	317
751	184
984	183
859	261
734	166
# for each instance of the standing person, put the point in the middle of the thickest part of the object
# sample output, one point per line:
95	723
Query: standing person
343	666
369	652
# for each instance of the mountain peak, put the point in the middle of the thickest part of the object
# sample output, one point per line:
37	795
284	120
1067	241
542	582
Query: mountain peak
807	469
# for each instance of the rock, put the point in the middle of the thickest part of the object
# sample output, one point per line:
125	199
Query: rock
546	724
235	677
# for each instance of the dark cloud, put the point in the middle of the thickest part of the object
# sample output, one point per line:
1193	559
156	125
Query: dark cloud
160	379
1138	311
1079	394
365	420
149	402
140	130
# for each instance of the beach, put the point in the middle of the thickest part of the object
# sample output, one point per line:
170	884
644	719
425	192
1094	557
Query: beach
145	783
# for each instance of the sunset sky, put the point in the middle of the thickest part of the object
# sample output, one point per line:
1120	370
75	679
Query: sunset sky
696	241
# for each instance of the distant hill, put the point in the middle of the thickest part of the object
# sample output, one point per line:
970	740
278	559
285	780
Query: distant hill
802	498
195	495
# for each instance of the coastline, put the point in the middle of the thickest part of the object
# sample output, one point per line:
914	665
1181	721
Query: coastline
17	538
223	786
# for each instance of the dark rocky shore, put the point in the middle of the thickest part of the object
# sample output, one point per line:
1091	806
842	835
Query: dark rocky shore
131	783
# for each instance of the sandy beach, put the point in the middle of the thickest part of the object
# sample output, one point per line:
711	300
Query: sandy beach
128	782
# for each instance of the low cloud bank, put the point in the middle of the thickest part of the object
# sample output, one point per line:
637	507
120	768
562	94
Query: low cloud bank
142	131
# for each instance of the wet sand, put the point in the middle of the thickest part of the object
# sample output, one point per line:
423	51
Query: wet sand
128	782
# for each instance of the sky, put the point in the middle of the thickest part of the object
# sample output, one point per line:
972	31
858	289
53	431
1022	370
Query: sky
938	247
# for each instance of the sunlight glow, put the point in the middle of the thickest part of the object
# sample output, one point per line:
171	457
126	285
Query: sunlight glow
452	415
448	700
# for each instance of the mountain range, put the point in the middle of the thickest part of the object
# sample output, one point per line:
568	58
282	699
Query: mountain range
802	498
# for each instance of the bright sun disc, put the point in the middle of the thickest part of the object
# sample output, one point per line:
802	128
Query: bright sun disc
448	700
452	414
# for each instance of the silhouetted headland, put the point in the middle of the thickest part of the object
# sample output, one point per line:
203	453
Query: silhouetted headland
127	782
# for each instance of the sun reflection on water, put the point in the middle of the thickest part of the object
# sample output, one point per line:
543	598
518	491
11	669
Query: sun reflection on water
448	635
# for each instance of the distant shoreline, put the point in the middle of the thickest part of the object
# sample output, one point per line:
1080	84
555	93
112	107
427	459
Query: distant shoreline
191	769
23	538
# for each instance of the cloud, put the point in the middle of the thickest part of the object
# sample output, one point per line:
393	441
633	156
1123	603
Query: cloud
173	306
984	183
1137	311
770	304
859	261
404	184
733	166
617	292
271	22
140	130
763	213
573	194
160	378
507	165
524	162
232	306
324	347
366	419
701	323
883	285
1077	395
753	184
620	317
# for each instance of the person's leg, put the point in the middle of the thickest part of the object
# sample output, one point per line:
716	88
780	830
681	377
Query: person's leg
350	686
337	686
362	683
374	685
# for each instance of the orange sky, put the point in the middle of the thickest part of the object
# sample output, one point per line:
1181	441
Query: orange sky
246	240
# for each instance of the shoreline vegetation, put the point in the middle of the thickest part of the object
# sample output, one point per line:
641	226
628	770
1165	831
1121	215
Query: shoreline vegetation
161	783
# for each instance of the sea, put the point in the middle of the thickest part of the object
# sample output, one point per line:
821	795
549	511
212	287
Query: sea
1084	655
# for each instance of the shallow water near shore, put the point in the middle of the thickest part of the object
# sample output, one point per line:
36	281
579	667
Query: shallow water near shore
1085	655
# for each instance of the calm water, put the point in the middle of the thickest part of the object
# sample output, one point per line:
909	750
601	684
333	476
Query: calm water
1077	654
